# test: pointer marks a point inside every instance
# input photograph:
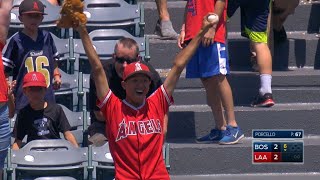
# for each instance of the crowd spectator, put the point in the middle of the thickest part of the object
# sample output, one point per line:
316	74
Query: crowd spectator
5	7
210	64
40	119
32	49
135	125
254	18
126	51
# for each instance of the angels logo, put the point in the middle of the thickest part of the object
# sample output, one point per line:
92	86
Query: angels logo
35	6
131	128
34	77
122	130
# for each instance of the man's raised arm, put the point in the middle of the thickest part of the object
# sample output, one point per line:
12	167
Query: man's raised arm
184	56
98	73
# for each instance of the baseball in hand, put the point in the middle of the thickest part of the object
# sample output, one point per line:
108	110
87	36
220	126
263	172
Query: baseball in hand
213	18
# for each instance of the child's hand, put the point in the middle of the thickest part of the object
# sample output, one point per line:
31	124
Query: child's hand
210	27
181	44
208	38
11	86
57	83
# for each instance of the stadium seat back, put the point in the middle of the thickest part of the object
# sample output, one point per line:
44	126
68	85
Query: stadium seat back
102	162
115	14
104	41
49	158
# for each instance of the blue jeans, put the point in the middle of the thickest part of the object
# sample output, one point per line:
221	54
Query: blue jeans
5	134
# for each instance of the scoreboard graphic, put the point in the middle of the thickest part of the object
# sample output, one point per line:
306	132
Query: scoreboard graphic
277	146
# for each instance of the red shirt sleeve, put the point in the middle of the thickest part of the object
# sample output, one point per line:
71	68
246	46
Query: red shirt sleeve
108	103
161	100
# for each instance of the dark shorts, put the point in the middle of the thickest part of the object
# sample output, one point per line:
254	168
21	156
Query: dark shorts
254	18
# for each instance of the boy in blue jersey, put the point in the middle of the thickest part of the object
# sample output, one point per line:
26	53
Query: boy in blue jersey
32	49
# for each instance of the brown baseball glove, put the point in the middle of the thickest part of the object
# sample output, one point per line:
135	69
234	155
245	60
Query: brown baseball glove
71	14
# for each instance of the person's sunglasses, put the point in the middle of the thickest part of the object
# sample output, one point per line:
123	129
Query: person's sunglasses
121	60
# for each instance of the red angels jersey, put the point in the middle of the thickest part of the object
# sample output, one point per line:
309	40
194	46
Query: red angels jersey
3	82
135	135
196	10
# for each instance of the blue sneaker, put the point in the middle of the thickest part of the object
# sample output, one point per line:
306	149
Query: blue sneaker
215	135
233	135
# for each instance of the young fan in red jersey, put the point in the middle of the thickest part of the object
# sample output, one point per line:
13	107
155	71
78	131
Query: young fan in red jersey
135	124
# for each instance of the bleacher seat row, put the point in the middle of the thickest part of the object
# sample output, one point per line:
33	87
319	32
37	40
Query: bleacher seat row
46	159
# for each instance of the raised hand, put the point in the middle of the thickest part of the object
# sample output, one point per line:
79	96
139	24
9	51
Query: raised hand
11	87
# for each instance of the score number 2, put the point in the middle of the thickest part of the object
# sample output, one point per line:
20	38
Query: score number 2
40	62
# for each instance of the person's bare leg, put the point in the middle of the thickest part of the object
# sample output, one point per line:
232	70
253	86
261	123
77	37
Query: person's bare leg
164	26
163	10
214	101
264	61
227	99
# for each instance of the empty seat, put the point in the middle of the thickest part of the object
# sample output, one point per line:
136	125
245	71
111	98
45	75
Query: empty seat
101	162
49	158
115	14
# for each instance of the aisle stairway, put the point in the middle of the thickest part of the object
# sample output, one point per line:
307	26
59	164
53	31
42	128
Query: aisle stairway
296	85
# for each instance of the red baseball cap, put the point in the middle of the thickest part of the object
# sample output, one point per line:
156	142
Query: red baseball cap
135	68
34	79
31	6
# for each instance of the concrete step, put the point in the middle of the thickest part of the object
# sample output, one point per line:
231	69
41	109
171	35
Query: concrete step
191	121
244	96
303	77
266	176
295	85
188	158
304	18
300	50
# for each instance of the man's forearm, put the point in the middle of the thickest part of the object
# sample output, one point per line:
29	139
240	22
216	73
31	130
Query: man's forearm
90	51
97	70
